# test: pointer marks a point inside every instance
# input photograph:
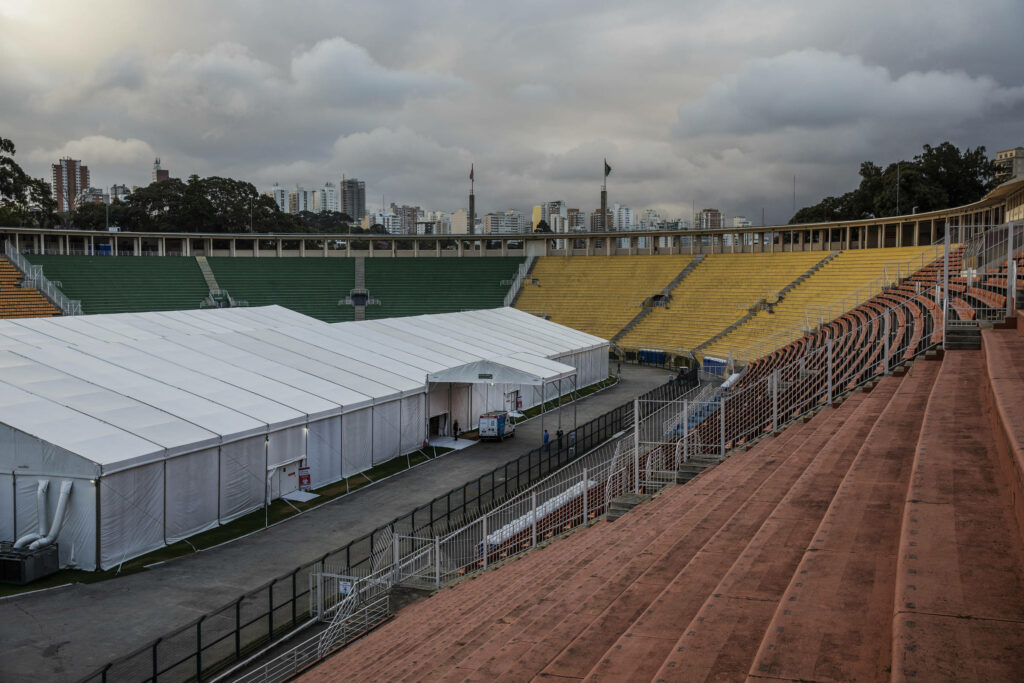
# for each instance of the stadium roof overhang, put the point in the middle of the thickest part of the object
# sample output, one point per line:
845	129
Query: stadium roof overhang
517	368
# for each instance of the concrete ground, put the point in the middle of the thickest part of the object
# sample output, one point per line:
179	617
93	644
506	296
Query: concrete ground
66	633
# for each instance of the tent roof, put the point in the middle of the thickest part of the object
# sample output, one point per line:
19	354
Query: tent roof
519	368
123	389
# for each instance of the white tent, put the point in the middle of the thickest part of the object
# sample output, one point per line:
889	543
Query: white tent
170	423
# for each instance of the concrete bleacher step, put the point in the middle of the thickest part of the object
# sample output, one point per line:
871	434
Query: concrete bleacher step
472	605
963	338
518	626
576	640
793	498
689	516
959	603
662	599
620	505
830	622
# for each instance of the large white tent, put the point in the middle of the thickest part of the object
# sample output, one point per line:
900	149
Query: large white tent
170	423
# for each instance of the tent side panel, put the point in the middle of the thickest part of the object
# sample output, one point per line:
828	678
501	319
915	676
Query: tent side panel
387	426
132	520
323	451
414	426
243	477
356	437
191	482
7	503
285	446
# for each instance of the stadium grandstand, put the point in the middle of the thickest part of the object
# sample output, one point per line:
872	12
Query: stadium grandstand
840	498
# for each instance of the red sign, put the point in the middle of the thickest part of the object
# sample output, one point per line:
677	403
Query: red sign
305	481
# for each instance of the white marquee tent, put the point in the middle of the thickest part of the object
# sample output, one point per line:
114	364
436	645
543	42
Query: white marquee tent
170	423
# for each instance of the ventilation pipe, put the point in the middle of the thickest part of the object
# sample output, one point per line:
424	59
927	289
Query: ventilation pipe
44	484
58	518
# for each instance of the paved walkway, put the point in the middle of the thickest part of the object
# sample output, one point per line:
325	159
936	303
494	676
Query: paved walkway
65	634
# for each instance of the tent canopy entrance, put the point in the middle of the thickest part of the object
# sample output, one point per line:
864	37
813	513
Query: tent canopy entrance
523	369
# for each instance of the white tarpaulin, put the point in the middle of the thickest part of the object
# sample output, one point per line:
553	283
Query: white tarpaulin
170	423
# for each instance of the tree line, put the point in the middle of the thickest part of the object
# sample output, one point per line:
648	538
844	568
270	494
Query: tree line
937	178
208	205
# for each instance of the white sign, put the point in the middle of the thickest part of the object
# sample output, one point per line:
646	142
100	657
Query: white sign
344	587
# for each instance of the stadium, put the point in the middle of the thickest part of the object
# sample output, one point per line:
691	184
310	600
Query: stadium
836	491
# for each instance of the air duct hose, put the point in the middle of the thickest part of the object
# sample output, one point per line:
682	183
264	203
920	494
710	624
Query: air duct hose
44	484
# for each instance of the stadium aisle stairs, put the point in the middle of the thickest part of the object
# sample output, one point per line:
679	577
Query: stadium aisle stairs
21	302
831	621
613	599
719	291
852	277
959	612
416	286
597	294
123	284
312	286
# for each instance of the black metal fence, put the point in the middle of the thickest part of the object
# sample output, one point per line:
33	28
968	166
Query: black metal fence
224	637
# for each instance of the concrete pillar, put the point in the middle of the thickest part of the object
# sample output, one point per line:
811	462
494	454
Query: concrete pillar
802	240
302	248
280	246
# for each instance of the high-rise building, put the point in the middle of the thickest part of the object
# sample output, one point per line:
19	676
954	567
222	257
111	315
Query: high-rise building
300	199
577	220
353	198
623	218
388	219
708	219
325	199
407	216
506	223
1009	164
460	222
160	174
596	224
280	197
119	193
68	179
741	222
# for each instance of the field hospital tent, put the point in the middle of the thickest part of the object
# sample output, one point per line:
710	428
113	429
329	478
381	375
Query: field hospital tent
146	428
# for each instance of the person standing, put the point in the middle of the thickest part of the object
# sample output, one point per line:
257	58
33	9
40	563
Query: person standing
455	430
547	442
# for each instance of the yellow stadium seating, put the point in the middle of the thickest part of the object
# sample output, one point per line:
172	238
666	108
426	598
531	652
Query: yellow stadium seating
716	294
597	294
852	277
18	302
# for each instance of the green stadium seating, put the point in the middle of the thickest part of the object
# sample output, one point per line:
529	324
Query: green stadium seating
311	286
415	286
124	284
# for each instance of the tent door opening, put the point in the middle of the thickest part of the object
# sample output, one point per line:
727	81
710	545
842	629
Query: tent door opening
513	401
439	425
284	480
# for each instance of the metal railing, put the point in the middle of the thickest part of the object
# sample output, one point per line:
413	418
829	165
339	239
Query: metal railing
517	280
226	636
34	278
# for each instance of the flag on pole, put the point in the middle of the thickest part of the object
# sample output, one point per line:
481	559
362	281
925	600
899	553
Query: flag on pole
607	168
471	171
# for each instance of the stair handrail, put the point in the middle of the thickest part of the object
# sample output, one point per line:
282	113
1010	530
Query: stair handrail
34	279
517	280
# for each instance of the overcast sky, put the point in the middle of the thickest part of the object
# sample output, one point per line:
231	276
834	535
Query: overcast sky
712	104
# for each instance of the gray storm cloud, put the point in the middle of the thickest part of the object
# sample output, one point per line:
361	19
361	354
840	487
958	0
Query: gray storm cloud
693	103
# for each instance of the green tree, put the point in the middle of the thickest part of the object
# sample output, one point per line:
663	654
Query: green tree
938	178
23	200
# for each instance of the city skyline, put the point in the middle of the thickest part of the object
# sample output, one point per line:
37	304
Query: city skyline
711	106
